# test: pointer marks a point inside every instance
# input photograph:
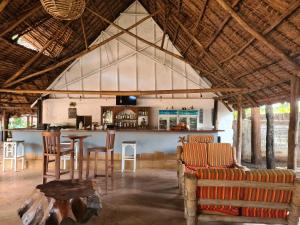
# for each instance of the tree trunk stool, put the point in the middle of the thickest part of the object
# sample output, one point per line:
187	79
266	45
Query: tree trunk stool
14	151
61	202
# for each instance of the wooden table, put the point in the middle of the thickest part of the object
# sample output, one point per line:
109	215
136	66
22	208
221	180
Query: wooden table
62	202
80	138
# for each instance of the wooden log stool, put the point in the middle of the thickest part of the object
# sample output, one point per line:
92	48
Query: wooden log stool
108	148
61	202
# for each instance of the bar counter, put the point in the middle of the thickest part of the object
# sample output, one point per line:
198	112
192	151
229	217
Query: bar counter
148	141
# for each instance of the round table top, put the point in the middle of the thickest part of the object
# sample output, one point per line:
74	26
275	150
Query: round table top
75	136
67	189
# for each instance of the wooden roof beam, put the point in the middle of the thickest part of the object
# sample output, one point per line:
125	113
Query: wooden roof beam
69	59
125	93
177	28
202	12
167	13
258	36
211	58
34	58
205	72
83	33
20	19
3	4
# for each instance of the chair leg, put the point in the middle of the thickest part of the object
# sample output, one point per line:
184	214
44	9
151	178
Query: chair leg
72	165
95	165
45	165
88	165
112	167
106	171
57	167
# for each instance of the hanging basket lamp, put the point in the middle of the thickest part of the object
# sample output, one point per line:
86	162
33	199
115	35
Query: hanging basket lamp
64	9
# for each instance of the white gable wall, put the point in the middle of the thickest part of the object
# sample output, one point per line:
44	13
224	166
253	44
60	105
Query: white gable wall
127	64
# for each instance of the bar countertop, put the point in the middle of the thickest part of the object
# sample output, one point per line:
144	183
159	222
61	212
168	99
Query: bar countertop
125	130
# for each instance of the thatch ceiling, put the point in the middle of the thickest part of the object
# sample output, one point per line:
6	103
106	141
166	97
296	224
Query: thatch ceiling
204	33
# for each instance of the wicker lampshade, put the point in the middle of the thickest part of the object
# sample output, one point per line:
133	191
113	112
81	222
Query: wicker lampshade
64	9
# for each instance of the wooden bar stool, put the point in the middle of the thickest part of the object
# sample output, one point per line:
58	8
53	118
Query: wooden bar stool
108	148
53	148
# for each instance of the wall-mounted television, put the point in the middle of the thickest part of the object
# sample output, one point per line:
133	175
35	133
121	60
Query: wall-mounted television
125	100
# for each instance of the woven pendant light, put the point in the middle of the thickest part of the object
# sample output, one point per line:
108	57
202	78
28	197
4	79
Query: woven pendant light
64	9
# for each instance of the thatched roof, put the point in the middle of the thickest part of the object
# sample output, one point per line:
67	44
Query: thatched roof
212	38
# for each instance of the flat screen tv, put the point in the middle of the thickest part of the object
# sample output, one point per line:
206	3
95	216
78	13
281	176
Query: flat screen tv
125	100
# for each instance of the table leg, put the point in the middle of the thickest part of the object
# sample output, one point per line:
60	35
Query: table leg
80	160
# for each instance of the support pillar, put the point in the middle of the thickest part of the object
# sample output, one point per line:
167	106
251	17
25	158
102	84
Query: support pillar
215	114
39	105
270	156
255	136
294	124
239	130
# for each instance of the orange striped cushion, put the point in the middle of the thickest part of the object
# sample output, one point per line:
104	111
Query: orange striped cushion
268	195
195	154
224	193
200	138
220	155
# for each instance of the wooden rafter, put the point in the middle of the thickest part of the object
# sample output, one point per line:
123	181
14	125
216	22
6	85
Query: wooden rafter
206	72
83	33
177	28
211	58
201	14
290	10
125	93
3	4
257	35
35	57
20	19
69	59
220	29
167	13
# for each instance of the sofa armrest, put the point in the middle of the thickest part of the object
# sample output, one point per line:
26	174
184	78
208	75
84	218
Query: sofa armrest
239	166
179	151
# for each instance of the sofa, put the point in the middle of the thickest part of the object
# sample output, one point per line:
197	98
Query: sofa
242	196
192	156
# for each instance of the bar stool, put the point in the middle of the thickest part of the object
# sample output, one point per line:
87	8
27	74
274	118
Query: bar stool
64	158
131	144
109	147
52	148
14	151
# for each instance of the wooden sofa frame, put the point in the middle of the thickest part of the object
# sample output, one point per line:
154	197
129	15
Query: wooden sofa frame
191	201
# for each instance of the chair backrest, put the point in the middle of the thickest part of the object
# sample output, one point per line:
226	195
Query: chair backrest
220	155
195	154
200	138
110	139
51	142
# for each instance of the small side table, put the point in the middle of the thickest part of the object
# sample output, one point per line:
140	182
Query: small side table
14	151
125	157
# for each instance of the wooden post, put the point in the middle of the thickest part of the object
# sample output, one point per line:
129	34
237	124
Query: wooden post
190	199
215	114
270	158
239	132
244	136
294	124
39	113
293	217
255	136
5	121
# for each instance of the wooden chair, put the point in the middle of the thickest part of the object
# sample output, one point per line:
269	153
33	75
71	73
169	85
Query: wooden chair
108	148
53	148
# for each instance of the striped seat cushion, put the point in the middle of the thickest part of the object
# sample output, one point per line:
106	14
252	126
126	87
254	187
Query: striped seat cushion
195	154
220	155
268	195
200	138
223	193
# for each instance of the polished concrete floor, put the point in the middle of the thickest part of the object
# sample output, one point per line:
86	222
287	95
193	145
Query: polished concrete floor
149	197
